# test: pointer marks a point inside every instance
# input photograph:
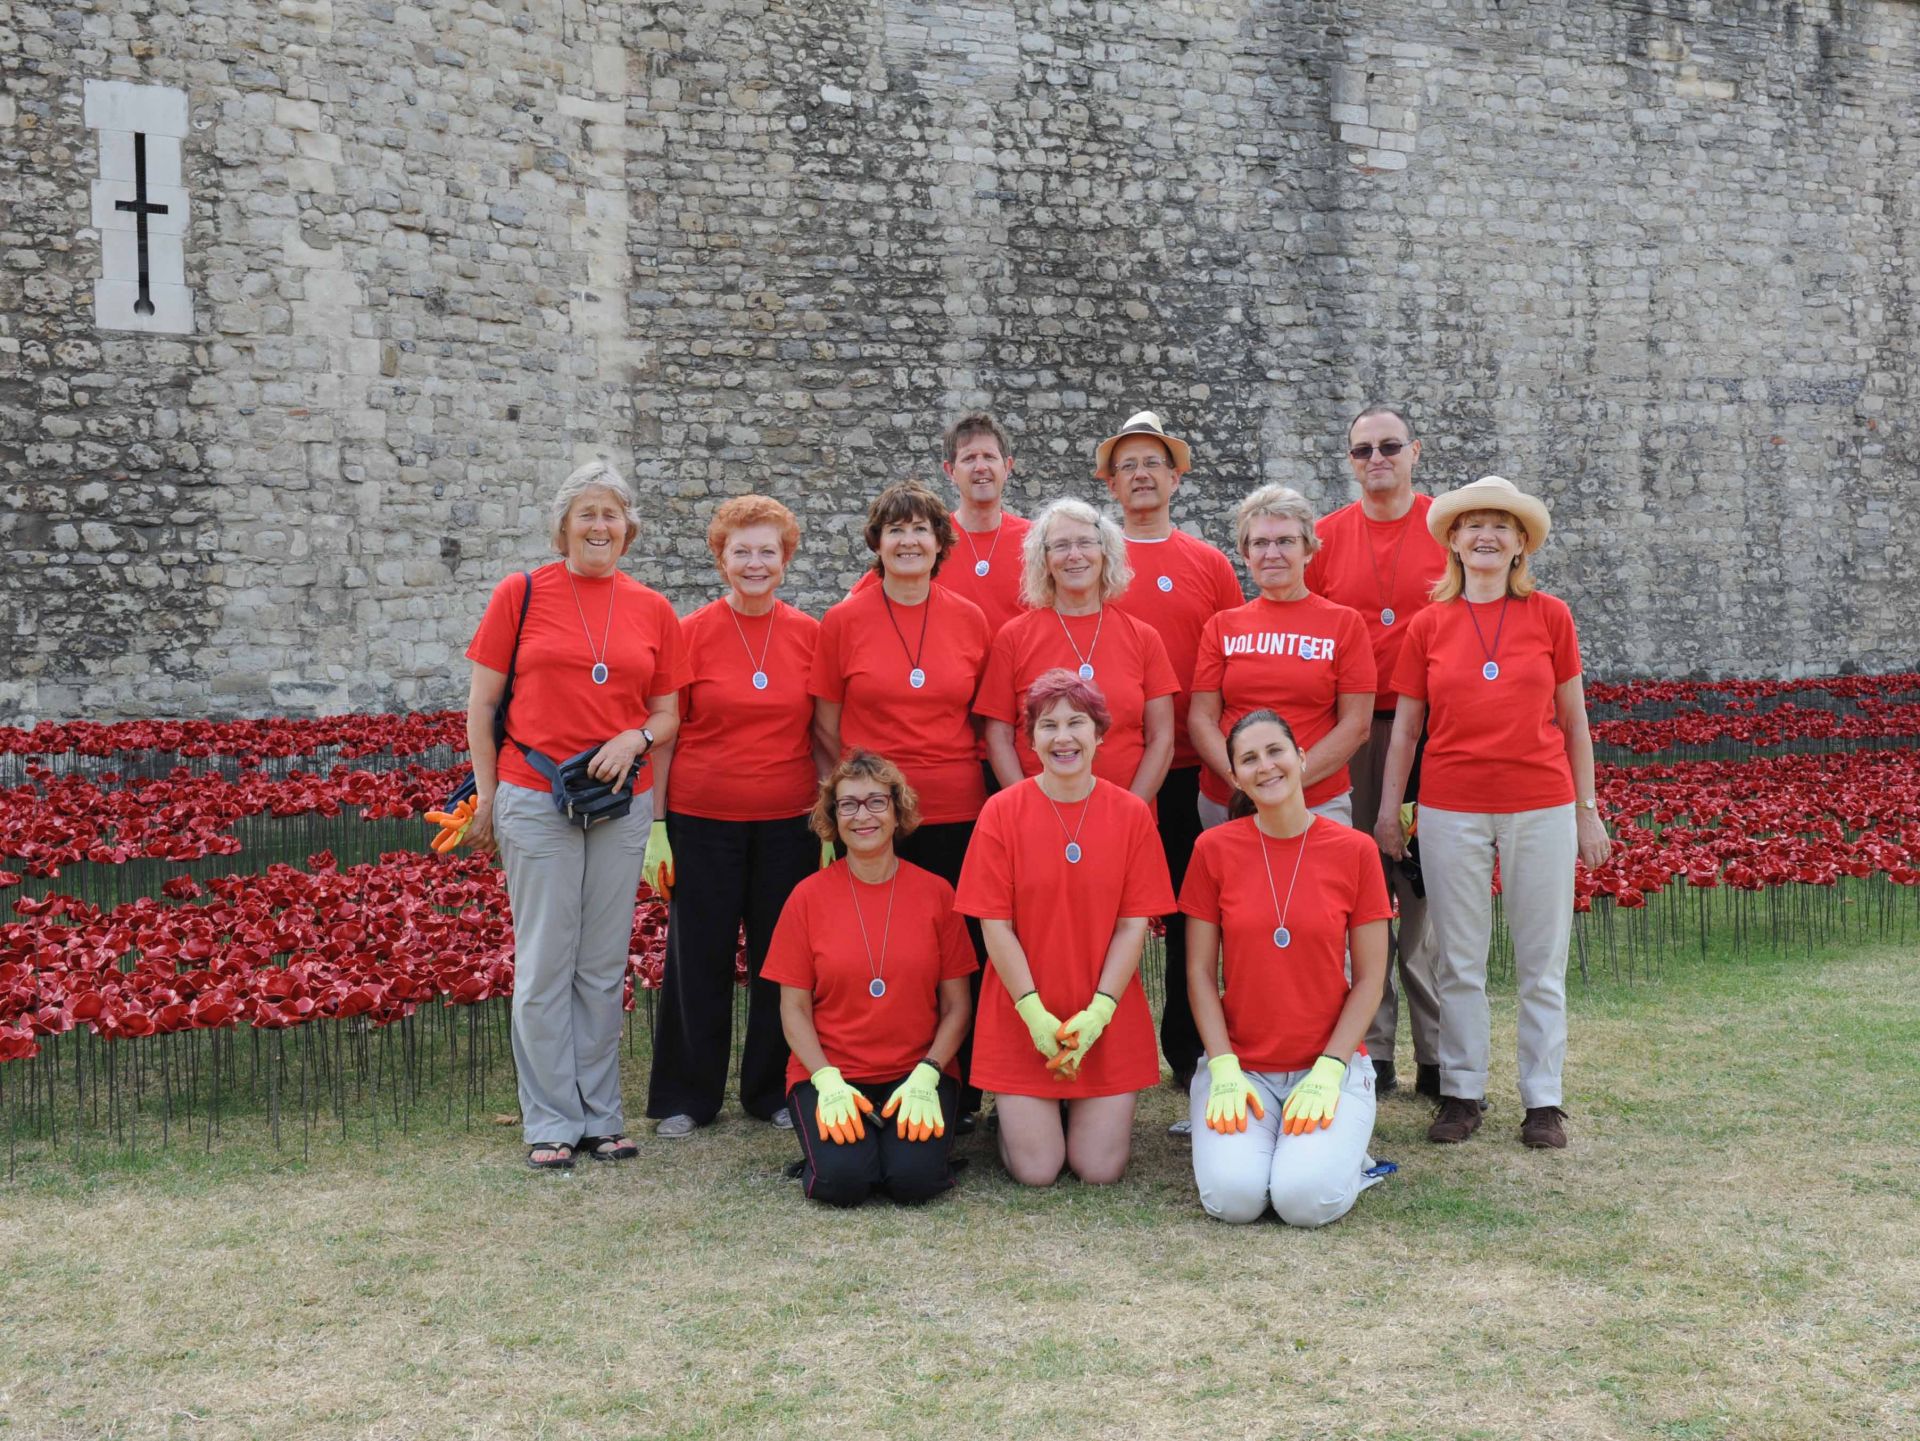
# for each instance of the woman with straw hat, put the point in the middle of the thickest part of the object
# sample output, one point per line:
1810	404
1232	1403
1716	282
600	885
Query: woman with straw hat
1492	668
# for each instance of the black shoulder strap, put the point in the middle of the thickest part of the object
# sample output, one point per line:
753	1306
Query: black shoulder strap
506	693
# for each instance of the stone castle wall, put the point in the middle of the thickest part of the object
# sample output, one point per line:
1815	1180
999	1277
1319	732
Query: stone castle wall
1658	261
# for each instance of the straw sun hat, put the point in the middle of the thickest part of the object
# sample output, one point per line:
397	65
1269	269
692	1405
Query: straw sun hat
1491	492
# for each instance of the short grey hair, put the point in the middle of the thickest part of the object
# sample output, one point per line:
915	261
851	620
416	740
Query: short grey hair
1036	582
1282	501
594	475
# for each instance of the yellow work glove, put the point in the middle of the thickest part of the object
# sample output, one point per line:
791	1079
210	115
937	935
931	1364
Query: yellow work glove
918	1101
1078	1033
453	825
827	856
657	869
1229	1097
839	1107
1311	1103
1042	1024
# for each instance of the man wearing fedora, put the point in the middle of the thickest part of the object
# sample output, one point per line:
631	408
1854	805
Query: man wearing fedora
1178	583
1377	558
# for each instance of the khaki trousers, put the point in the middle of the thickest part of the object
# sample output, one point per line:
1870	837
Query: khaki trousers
1411	950
1536	850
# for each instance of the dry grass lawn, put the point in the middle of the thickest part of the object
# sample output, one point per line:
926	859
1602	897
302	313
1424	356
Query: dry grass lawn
1731	1248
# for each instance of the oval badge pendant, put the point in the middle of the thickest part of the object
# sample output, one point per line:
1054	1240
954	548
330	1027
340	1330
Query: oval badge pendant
981	567
600	673
1073	853
759	680
1282	937
916	677
1086	670
1165	582
1386	616
876	988
1491	670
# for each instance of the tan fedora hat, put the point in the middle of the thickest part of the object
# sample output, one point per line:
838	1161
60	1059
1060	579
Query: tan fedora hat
1491	492
1144	422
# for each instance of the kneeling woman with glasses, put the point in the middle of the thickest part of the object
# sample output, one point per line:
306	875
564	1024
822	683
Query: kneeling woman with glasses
1281	896
872	962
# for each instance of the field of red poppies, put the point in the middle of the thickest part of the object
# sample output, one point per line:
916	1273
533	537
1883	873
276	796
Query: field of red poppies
216	919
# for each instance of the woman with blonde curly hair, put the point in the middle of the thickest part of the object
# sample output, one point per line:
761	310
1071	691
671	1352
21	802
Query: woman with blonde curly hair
733	795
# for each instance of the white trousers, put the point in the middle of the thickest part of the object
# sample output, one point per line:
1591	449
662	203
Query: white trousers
1310	1179
1537	851
1340	809
572	894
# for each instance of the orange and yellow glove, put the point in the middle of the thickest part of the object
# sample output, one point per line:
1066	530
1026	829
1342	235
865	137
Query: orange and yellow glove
453	825
1078	1033
1311	1103
1041	1024
918	1102
656	869
1230	1096
839	1107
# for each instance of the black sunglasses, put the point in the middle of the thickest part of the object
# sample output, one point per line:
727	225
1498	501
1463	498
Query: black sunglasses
1388	448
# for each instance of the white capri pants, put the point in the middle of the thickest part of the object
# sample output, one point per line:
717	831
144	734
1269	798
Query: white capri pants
1340	809
1310	1179
572	894
1537	850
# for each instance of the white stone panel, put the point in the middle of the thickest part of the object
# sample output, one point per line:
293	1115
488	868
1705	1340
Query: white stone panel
108	216
120	256
113	302
150	109
117	163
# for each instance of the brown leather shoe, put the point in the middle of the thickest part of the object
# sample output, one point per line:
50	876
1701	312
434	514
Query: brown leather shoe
1457	1120
1542	1129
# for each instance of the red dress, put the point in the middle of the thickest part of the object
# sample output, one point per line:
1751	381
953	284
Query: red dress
1065	915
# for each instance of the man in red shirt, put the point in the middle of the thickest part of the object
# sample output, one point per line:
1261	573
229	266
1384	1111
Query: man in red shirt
1178	584
1377	558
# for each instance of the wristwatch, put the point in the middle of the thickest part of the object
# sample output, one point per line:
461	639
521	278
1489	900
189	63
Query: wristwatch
1592	805
649	735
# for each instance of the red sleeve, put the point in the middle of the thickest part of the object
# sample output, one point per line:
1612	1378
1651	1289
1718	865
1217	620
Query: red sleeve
492	644
868	580
997	700
1356	674
986	876
1148	890
828	678
789	959
1156	666
1200	892
1210	663
956	947
1410	671
1566	643
1370	901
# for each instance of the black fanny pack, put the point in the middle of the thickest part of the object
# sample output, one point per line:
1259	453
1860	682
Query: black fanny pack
578	796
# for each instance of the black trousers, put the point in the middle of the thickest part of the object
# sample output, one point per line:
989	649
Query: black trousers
942	849
908	1171
725	873
1179	829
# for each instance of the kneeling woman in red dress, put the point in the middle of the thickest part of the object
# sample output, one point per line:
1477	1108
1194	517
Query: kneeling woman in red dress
1063	872
872	962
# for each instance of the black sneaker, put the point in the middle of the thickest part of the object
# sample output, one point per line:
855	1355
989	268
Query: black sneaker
1384	1079
1426	1080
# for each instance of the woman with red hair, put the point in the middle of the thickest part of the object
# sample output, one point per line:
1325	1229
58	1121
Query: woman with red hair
1062	1014
734	792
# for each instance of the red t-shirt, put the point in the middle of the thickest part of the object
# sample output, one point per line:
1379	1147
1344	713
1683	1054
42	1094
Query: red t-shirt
997	593
1406	561
862	662
1282	1004
557	709
817	948
1493	746
745	754
1296	657
1017	870
1177	583
1130	667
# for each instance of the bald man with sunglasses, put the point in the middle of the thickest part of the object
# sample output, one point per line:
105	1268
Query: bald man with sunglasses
1377	558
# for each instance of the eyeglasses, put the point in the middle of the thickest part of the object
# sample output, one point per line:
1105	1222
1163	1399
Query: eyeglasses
1153	466
1388	448
1073	547
875	804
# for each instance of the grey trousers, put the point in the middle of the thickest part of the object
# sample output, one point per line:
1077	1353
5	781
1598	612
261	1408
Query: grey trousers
1309	1179
573	894
1537	850
1413	944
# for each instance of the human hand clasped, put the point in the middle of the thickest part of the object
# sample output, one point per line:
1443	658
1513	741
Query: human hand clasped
839	1107
657	868
1311	1103
453	825
1041	1024
1078	1033
1230	1096
917	1099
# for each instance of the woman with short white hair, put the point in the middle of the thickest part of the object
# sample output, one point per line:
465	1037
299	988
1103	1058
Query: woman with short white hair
1075	562
596	661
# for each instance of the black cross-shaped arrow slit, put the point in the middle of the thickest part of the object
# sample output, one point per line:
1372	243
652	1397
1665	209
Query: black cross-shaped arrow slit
141	209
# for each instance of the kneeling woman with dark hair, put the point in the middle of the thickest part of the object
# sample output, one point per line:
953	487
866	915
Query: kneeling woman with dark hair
872	962
1282	896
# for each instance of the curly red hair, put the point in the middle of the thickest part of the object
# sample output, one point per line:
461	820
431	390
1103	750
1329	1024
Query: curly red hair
1051	687
745	510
